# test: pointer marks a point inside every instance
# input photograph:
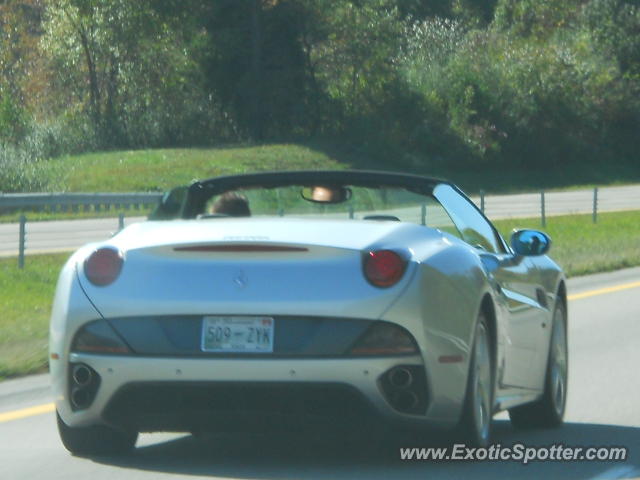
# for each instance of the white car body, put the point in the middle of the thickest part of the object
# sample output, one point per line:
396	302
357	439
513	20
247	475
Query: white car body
175	273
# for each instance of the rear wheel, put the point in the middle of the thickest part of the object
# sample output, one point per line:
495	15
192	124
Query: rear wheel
549	410
95	440
475	426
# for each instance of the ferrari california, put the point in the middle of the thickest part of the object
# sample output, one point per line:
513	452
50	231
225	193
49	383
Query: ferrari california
328	298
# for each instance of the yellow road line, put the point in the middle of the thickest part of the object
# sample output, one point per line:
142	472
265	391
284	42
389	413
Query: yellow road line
27	412
50	407
602	291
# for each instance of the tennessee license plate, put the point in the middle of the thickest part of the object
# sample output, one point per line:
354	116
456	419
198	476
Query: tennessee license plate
237	334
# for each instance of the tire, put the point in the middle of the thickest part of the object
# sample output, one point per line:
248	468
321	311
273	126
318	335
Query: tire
548	411
96	440
475	425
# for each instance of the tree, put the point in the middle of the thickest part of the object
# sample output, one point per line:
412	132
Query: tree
19	32
124	66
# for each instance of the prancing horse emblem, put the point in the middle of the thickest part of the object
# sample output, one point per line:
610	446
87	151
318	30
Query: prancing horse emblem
240	279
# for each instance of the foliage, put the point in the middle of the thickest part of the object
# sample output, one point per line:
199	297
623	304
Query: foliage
536	88
355	60
19	172
538	18
20	27
137	83
12	120
615	28
442	84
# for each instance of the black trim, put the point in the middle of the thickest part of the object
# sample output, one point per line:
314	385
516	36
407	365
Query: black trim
297	336
233	406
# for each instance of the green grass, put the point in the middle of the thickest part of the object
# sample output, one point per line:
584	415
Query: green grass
25	303
14	217
579	246
582	247
161	170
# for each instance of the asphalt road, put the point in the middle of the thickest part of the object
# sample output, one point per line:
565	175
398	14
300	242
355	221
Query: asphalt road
603	410
66	235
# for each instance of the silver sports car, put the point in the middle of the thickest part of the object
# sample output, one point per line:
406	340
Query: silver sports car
273	300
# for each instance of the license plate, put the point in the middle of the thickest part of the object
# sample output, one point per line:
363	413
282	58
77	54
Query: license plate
237	334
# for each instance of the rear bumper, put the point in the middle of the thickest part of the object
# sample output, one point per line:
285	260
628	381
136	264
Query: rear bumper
237	406
152	394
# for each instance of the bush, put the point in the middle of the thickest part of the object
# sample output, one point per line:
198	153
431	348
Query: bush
19	172
532	93
13	119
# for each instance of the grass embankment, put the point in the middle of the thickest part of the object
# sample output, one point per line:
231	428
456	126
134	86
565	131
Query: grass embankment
579	246
160	170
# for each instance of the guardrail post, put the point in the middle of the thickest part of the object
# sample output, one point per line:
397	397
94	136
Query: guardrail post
120	221
423	214
482	201
350	212
595	205
21	241
281	212
542	209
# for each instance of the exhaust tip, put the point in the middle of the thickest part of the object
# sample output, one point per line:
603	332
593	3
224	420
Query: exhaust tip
404	400
80	398
400	377
82	375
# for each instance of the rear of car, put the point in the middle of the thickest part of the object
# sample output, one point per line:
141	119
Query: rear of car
277	300
229	324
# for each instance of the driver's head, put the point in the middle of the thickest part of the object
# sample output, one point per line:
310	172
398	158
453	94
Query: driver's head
232	204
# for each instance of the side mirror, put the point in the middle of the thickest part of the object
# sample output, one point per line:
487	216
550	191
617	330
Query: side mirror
528	243
170	205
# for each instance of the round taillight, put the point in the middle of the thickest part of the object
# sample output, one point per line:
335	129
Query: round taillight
103	266
383	268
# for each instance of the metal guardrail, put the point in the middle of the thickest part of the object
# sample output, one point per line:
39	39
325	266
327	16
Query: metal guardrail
73	202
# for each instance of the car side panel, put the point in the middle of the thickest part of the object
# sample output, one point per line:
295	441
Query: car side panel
547	276
440	309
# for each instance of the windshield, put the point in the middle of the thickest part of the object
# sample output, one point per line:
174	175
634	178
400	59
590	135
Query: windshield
353	202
